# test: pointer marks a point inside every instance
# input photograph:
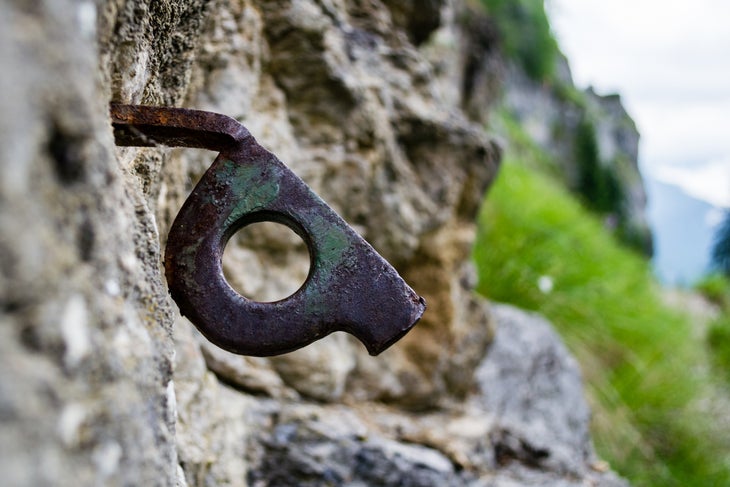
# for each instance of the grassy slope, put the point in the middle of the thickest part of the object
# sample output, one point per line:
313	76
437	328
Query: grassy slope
716	289
646	370
640	359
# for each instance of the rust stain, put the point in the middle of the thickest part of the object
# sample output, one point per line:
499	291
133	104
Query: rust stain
350	287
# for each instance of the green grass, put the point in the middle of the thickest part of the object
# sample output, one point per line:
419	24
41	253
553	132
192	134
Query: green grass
718	338
640	360
716	288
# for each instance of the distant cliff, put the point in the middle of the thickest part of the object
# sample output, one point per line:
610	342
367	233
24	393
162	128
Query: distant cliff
591	139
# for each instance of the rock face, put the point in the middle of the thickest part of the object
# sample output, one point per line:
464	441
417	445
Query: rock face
103	383
618	146
341	94
525	424
559	118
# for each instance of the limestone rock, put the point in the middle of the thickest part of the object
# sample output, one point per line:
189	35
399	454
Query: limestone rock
319	372
213	421
255	375
312	446
102	382
542	414
354	108
618	144
86	374
555	121
526	424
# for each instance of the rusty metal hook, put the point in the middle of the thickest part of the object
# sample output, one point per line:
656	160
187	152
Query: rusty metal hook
349	287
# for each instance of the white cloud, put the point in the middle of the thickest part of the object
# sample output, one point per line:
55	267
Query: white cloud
669	61
709	182
714	217
683	133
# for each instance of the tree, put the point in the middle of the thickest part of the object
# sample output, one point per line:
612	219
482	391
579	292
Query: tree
721	247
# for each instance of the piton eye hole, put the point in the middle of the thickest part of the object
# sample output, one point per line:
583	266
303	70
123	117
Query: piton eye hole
266	261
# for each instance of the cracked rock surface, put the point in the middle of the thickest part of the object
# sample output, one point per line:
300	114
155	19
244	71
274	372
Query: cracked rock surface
102	382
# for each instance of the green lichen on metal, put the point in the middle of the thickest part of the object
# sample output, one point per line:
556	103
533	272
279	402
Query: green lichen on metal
332	243
350	287
333	252
250	186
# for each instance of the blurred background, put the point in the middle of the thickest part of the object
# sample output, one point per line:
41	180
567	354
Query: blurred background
669	62
608	216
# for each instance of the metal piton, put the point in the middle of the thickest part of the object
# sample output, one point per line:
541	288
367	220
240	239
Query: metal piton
350	287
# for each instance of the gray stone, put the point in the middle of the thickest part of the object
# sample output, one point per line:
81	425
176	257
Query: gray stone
102	382
85	321
551	118
311	446
354	109
533	388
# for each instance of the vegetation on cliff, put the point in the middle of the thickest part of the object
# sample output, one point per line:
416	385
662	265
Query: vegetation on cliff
591	139
540	249
533	48
716	288
553	246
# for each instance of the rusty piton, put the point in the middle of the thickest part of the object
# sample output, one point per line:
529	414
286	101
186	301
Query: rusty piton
350	287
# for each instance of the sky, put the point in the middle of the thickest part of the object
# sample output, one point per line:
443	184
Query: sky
670	62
